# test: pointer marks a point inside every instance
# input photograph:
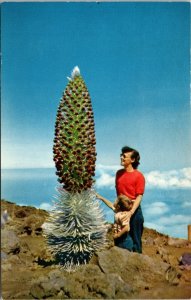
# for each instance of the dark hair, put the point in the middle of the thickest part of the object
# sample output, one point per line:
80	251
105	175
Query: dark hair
135	155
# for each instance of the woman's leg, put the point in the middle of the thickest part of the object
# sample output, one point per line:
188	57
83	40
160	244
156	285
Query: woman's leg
136	230
125	242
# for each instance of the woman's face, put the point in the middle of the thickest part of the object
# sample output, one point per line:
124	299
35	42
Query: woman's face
126	159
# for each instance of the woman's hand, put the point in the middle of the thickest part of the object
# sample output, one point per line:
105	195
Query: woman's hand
126	216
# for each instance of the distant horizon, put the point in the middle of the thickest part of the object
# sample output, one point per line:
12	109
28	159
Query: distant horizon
155	179
165	208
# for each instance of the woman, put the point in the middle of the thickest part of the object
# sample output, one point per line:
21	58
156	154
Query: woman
131	183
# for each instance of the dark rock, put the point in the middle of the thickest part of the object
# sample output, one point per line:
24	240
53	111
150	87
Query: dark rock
3	255
100	284
9	241
142	269
32	225
186	259
38	231
172	276
37	291
50	285
86	282
21	213
109	280
27	230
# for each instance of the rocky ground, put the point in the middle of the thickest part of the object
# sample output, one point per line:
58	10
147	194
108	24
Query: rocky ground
28	271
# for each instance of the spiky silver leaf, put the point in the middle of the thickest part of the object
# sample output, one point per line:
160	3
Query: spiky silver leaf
76	227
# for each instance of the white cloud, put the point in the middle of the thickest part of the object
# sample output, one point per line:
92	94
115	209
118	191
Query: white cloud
28	155
177	230
156	209
169	179
106	176
187	172
113	168
173	219
186	204
154	179
158	227
157	214
106	180
46	206
172	225
22	204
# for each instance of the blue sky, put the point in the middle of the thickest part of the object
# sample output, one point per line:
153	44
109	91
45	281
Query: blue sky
135	60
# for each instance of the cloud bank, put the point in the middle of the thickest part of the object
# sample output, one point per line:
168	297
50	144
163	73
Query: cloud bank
169	179
156	209
46	206
160	216
155	179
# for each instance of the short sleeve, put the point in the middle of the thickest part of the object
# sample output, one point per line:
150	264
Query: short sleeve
140	186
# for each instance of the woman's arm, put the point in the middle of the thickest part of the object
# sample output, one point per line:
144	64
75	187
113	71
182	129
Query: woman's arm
107	202
136	204
127	214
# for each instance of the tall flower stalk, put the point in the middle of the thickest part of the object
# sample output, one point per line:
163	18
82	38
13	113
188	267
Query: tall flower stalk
74	143
76	226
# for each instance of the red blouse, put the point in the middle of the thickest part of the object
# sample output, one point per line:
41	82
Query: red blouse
130	184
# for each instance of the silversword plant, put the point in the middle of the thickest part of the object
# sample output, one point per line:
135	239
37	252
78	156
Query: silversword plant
76	226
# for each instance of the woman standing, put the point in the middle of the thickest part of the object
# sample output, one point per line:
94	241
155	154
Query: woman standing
131	182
